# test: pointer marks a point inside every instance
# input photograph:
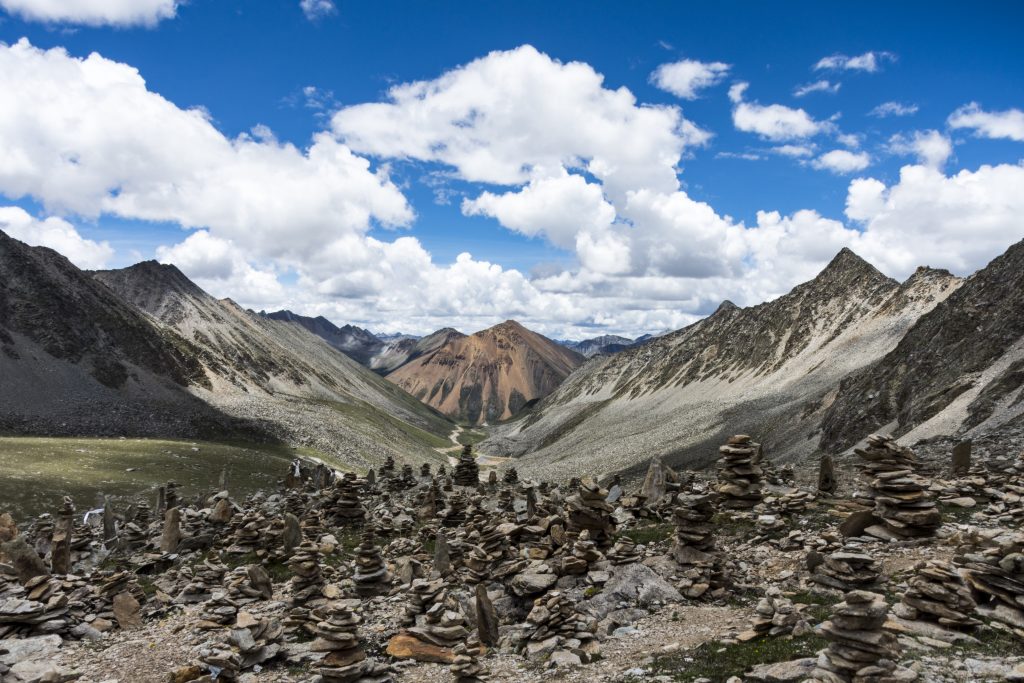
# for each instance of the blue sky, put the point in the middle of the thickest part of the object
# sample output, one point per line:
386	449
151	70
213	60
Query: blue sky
290	68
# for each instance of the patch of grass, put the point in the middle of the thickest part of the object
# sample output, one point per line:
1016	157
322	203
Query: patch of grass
729	524
819	605
39	471
471	437
719	662
994	643
653	533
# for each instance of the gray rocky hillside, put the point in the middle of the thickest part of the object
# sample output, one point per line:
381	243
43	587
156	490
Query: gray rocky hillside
769	369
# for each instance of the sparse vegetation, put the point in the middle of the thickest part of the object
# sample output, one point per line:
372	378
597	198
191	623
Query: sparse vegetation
718	662
653	533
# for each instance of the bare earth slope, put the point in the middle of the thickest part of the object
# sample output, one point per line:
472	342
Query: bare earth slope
768	369
487	376
358	344
280	372
960	367
76	359
400	351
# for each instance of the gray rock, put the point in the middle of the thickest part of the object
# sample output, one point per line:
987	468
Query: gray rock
782	672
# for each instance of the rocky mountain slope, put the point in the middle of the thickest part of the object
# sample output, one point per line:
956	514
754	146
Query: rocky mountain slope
606	343
487	376
355	342
278	371
403	349
960	367
76	359
766	370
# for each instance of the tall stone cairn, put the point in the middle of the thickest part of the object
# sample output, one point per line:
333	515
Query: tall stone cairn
371	576
345	662
860	650
467	472
996	574
902	501
694	543
346	508
588	511
739	473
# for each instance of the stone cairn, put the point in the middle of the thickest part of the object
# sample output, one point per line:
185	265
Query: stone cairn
554	619
937	593
776	616
996	574
902	501
346	509
455	515
307	587
467	472
466	667
739	473
387	470
511	476
844	571
345	661
371	576
589	512
218	611
693	547
255	643
859	648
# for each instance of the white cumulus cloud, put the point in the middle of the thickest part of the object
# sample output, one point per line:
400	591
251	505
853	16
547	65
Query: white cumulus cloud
817	86
93	12
931	147
1007	124
57	234
687	77
774	121
842	161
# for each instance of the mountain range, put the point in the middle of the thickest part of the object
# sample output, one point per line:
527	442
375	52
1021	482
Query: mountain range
144	351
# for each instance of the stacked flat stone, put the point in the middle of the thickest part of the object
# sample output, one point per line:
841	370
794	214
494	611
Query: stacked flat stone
624	552
132	536
220	610
467	472
423	595
845	570
247	533
202	579
776	616
936	592
425	471
455	515
345	506
243	648
249	584
739	473
345	661
111	584
466	668
511	476
789	502
694	543
387	470
588	511
859	648
902	500
371	576
996	574
307	580
554	616
21	616
443	624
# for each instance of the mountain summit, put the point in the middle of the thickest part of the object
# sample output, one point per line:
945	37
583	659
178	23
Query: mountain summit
487	376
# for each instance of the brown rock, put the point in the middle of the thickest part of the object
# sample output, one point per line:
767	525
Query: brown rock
404	646
127	611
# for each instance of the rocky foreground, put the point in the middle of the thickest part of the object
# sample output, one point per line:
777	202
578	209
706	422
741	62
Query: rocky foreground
907	570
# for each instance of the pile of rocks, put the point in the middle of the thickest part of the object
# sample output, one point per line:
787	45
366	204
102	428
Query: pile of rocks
557	624
371	576
249	584
996	574
423	595
455	515
740	473
846	570
218	611
694	544
937	593
345	660
345	507
307	580
859	649
588	511
624	552
466	667
511	476
202	579
776	616
467	472
253	642
902	500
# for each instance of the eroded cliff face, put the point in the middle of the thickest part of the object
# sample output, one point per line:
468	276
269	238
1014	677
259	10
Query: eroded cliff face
487	376
960	365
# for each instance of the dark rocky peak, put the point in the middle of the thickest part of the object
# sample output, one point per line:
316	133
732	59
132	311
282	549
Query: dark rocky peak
149	275
847	271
